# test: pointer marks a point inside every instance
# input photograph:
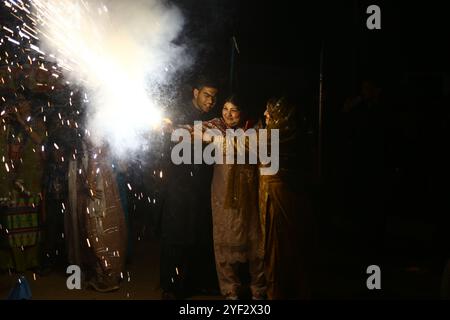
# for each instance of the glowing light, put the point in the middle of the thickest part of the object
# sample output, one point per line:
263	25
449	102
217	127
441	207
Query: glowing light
123	63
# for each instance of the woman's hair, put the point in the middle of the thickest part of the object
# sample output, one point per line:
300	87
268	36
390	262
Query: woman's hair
236	100
241	105
282	113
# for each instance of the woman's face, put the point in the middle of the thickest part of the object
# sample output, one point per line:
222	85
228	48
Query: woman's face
231	114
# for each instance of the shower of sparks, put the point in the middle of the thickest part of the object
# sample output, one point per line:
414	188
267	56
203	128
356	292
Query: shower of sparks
121	62
109	68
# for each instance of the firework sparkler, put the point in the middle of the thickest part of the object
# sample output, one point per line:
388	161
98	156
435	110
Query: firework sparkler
121	53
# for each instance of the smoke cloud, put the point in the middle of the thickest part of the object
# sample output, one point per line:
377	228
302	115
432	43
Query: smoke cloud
123	54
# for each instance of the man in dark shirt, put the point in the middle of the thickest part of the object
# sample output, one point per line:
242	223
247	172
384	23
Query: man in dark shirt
187	255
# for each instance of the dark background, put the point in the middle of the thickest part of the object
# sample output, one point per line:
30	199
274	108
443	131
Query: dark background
386	206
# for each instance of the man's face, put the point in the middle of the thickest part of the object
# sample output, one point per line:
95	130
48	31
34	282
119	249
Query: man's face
205	98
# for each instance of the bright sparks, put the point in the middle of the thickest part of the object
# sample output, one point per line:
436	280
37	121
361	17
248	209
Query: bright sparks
121	61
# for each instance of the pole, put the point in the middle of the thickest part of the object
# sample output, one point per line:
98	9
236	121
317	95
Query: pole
234	49
320	135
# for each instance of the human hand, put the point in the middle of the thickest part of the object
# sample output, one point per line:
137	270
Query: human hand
206	137
206	134
167	125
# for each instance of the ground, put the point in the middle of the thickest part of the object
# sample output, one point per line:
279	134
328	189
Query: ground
335	276
142	285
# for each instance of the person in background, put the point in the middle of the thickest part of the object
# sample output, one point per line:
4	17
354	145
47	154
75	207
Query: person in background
22	135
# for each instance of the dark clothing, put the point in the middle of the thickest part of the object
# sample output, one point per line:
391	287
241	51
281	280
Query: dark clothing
55	180
186	223
56	192
53	229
